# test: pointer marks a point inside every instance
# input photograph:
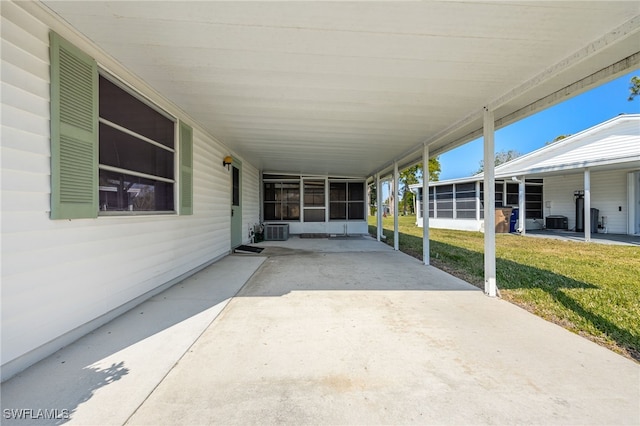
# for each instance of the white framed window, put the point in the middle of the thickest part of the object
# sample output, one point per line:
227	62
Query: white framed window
136	166
347	200
112	151
314	200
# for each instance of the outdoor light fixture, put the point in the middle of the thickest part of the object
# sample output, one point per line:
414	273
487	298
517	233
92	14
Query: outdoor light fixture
227	161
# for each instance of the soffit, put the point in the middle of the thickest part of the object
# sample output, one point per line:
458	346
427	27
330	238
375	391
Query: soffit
344	88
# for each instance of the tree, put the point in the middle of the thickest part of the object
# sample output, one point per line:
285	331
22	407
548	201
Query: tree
373	198
501	158
408	177
411	176
556	139
634	87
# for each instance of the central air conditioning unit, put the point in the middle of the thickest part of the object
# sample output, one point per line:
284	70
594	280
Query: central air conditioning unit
276	232
557	222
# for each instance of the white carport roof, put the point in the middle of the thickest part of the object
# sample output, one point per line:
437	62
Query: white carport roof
347	88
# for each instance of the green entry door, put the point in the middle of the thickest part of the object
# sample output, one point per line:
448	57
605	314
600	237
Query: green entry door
236	204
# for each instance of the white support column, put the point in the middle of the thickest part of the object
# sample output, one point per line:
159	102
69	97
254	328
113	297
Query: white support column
301	201
396	236
504	192
425	205
521	206
368	202
379	207
587	205
490	287
453	201
478	201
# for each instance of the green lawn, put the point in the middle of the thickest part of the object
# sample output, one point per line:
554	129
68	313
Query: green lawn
590	289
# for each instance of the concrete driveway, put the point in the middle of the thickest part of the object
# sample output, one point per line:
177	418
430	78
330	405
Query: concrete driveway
330	332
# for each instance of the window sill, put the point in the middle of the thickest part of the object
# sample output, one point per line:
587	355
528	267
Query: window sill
135	213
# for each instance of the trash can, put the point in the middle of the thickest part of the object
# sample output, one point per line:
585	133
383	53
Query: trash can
513	220
595	213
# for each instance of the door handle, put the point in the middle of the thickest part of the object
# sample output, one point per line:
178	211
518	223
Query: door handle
231	212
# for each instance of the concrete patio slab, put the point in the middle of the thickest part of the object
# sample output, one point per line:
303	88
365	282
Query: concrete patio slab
103	378
330	332
377	338
597	238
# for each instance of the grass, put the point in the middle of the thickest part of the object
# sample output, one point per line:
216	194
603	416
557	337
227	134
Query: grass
591	289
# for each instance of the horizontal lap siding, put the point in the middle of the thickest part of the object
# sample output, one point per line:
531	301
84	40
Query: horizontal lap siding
608	192
58	274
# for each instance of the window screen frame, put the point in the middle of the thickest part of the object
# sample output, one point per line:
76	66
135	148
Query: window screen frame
281	203
174	181
314	208
347	204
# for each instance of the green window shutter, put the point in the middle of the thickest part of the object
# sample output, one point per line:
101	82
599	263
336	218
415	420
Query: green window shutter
74	132
186	169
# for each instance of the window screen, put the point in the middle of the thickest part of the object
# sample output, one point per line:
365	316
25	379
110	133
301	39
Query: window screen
136	153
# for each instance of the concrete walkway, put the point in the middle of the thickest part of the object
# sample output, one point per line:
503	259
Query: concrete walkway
598	238
330	332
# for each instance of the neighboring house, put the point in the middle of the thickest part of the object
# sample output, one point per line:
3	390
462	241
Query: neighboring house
554	179
459	203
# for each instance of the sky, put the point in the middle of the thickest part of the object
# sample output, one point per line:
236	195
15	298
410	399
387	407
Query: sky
569	117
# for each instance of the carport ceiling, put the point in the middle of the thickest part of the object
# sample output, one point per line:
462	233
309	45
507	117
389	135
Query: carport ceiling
345	88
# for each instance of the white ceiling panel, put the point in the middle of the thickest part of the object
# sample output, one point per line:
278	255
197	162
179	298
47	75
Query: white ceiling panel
344	88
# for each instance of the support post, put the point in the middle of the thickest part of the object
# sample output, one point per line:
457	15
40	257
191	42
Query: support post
521	206
396	236
490	287
587	205
379	207
425	205
478	201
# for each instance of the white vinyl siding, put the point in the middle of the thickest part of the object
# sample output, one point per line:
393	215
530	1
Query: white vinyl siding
58	275
608	192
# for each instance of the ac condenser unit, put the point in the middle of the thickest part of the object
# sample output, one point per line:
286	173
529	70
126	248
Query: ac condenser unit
276	232
557	222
